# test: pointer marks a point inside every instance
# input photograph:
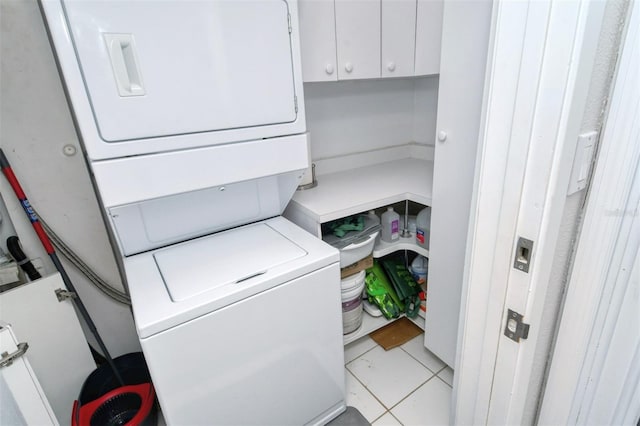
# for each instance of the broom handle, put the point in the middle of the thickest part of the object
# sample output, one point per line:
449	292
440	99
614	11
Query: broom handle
46	243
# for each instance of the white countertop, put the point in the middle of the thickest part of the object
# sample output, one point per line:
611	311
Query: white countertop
357	190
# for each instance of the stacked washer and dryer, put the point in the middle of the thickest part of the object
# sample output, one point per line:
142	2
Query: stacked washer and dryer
191	117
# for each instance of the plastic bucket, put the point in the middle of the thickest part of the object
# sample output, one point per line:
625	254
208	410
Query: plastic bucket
103	401
352	288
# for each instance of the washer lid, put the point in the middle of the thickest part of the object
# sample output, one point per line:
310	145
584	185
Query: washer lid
228	258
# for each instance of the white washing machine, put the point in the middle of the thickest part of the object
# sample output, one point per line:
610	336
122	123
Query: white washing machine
239	327
191	116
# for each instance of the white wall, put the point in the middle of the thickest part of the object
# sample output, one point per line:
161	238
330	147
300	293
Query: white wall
355	116
599	90
35	126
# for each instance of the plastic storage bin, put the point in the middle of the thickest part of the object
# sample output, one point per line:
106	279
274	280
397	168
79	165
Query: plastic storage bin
355	246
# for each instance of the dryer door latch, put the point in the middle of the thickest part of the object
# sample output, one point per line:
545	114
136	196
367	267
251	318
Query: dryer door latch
515	329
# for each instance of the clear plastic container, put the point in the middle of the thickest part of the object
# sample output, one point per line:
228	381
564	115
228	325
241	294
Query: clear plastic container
419	268
390	221
373	218
423	227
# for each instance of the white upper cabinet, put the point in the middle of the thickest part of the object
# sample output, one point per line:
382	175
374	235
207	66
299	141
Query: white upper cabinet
318	40
398	39
428	36
358	38
352	39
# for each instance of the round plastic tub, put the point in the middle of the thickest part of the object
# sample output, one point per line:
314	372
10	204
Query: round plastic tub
352	288
103	401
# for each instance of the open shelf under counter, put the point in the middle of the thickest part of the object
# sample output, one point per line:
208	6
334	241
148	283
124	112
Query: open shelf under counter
353	191
371	324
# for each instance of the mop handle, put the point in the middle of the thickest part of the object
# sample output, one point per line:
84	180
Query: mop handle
13	181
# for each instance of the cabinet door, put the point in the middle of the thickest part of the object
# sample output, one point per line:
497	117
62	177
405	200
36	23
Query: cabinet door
58	351
22	400
318	40
398	37
358	38
428	36
466	26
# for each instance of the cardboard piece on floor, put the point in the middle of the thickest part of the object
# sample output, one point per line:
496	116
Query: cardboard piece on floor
396	333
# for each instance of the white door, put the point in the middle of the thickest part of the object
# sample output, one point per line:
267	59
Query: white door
398	39
594	377
539	68
318	40
58	350
466	27
428	36
21	398
358	38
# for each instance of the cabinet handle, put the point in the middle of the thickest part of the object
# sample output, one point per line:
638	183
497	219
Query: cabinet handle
328	69
348	67
442	136
391	66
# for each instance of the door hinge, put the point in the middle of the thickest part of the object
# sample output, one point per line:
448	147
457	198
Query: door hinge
515	329
295	103
8	358
289	22
63	295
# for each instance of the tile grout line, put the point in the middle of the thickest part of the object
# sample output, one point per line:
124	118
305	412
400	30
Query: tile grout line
380	416
396	419
399	402
437	373
411	393
367	389
389	413
388	409
409	353
443	381
363	353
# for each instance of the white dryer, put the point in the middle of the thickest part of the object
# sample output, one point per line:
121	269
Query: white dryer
191	115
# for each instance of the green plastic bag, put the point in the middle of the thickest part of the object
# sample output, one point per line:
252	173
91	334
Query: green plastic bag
406	288
381	293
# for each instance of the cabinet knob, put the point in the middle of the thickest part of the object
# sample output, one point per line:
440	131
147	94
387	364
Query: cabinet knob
391	66
348	67
442	136
329	69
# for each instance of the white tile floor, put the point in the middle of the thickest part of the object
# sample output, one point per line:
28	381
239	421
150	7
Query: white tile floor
407	385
